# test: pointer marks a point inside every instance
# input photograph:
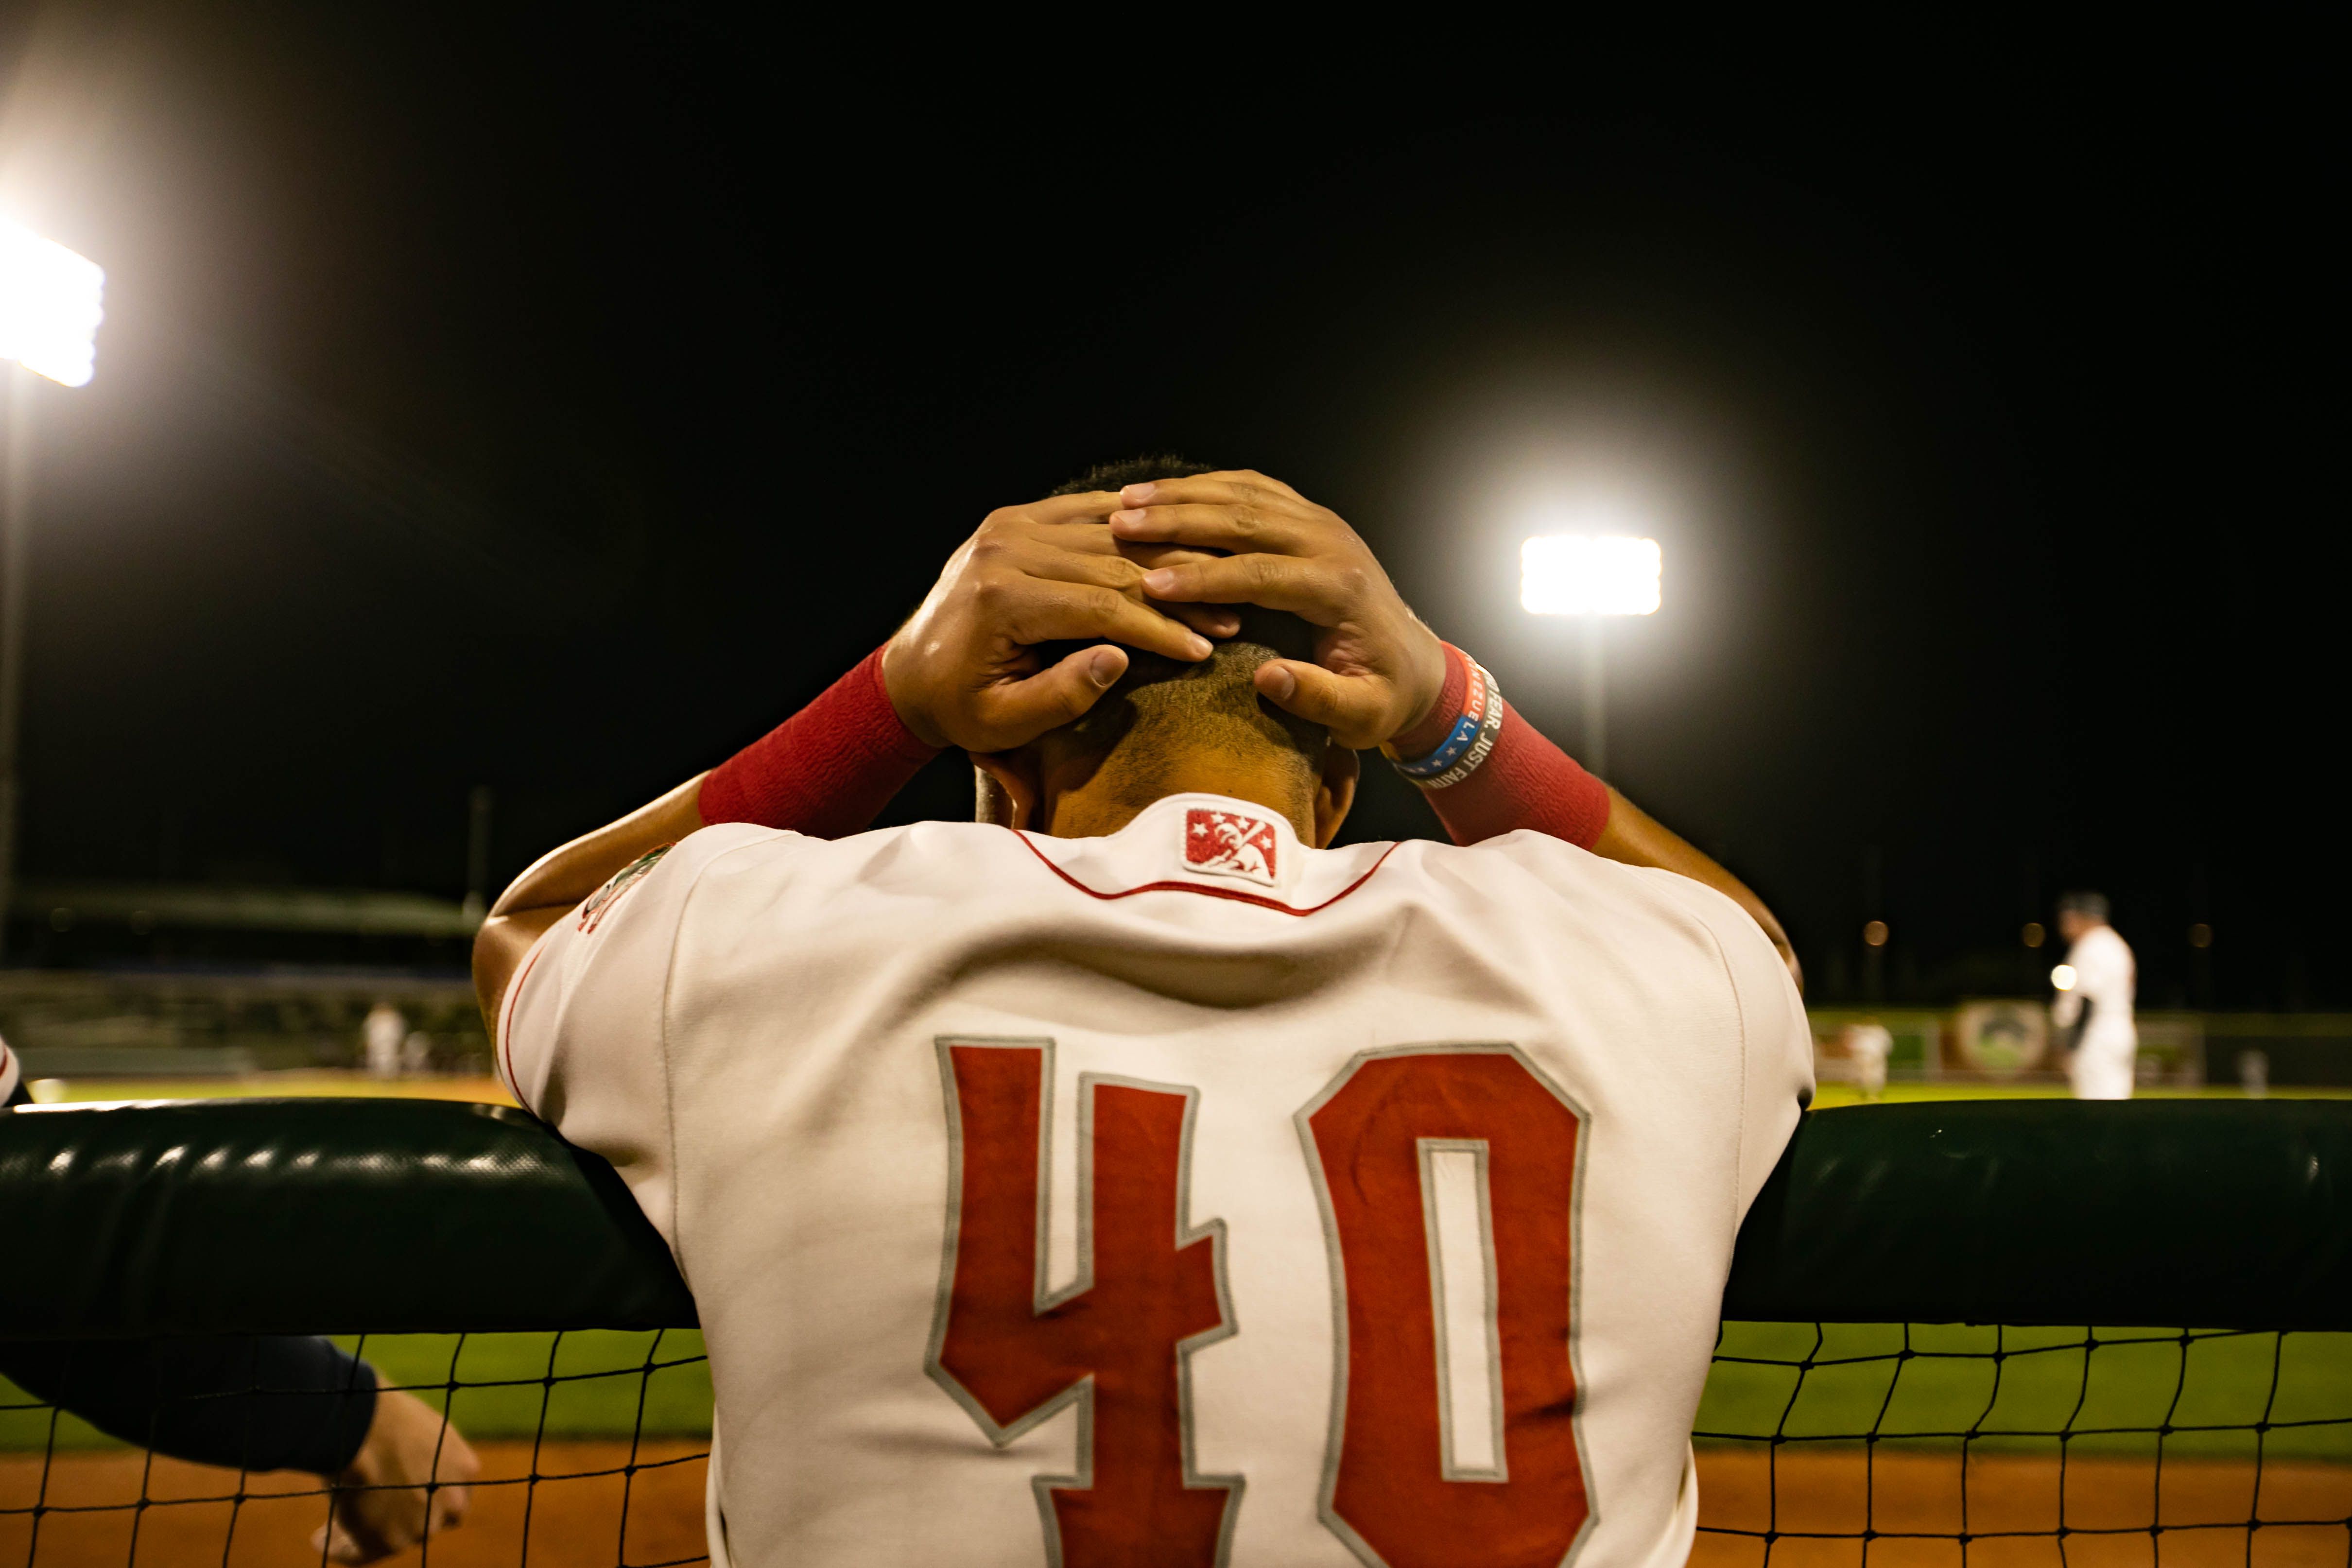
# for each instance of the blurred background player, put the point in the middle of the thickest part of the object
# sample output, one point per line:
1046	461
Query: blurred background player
1867	1044
383	1030
263	1402
2094	1000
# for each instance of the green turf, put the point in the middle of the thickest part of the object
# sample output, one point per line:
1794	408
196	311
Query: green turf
1829	1096
1860	1381
590	1385
2212	1390
503	1379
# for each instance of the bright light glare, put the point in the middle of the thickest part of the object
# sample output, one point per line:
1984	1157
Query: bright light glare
2062	977
1569	574
51	301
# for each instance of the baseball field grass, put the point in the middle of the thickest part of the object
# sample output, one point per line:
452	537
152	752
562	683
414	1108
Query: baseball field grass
594	1384
2116	1388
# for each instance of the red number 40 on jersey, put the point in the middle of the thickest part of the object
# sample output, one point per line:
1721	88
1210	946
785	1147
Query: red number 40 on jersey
1438	1167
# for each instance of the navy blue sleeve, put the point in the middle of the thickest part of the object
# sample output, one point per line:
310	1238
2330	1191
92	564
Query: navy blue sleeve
257	1403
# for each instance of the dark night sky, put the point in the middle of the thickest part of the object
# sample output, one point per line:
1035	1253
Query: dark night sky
558	409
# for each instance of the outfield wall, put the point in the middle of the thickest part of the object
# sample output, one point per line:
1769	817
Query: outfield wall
2178	1050
153	1024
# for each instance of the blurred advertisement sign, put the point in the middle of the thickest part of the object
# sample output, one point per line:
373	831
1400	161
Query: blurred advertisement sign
2000	1038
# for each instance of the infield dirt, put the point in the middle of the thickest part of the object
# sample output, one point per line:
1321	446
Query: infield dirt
575	1523
2205	1506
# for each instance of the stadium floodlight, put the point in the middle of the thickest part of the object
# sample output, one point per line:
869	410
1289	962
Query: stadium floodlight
1574	574
2063	978
51	301
1591	576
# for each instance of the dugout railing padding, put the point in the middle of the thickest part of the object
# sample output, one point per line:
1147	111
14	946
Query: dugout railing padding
317	1216
411	1215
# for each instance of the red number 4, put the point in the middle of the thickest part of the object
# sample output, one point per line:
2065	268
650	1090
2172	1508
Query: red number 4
1439	1169
1149	1291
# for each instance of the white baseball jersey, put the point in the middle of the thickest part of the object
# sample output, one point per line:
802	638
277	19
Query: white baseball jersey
2104	980
1183	1196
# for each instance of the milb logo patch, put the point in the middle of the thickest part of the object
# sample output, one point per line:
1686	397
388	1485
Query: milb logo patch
1227	843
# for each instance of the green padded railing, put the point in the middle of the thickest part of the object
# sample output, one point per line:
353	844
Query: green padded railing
400	1216
2212	1214
317	1216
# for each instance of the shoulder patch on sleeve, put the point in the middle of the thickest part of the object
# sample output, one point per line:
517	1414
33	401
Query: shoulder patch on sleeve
600	903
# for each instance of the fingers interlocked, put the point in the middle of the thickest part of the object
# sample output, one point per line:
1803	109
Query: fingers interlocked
1054	572
1377	669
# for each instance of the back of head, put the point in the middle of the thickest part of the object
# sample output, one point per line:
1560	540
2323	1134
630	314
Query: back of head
2091	906
1167	726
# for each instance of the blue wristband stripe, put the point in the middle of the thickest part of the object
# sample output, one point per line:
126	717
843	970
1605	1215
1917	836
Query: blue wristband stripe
1461	737
1459	741
1490	729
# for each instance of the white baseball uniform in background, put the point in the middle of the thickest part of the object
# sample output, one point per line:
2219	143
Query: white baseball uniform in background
2101	1067
1183	1197
1869	1045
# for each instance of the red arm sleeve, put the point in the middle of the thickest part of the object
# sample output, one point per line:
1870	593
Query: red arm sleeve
1524	782
825	771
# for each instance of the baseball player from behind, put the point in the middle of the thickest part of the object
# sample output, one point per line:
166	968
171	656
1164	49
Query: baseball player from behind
1134	1178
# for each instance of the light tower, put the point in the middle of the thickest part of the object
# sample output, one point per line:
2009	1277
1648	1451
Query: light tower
1590	577
51	301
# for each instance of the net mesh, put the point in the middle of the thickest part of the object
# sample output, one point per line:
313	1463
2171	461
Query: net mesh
1898	1444
1884	1445
591	1447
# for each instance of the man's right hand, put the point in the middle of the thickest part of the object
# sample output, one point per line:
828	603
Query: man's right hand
964	672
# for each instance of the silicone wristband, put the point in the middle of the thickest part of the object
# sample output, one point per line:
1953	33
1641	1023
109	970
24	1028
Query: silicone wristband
1465	732
1490	729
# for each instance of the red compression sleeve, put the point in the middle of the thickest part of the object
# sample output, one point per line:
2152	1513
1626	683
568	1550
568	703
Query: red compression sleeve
1524	782
827	771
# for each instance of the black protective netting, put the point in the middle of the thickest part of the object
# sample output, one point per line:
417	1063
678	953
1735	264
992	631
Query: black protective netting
1954	1444
592	1447
1819	1444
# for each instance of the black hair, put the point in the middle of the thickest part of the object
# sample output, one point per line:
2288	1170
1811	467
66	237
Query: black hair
1162	707
1125	471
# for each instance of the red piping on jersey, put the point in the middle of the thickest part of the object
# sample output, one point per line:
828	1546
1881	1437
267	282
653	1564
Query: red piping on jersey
506	1026
1232	894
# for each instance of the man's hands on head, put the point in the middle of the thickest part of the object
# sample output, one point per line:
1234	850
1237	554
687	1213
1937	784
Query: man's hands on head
965	670
1377	669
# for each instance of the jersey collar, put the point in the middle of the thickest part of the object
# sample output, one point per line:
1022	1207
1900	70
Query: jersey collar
1209	842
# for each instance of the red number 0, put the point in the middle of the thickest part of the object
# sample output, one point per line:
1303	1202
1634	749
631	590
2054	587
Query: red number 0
1370	1136
1148	1293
